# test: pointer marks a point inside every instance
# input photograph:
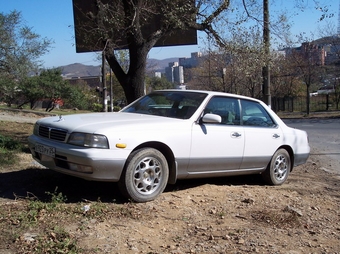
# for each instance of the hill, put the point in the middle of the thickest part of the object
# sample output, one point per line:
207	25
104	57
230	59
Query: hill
159	65
81	70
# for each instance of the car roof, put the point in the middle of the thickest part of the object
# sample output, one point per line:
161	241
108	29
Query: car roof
211	93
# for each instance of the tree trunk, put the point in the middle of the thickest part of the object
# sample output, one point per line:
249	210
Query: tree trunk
307	101
132	81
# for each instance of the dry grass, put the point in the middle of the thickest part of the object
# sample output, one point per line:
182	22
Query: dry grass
17	131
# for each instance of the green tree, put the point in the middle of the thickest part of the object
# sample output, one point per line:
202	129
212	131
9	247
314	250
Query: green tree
48	85
52	83
31	90
79	96
20	50
156	83
8	89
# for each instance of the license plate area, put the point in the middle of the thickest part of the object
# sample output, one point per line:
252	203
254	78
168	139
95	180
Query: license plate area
45	150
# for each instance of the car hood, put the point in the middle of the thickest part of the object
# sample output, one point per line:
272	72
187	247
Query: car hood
100	122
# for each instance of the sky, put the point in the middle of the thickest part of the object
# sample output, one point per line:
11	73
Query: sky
53	19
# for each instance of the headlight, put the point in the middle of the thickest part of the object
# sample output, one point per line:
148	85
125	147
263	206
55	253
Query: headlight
88	140
36	129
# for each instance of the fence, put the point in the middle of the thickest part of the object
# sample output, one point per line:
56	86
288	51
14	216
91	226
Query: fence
321	102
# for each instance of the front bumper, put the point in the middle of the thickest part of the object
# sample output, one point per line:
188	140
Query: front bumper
86	163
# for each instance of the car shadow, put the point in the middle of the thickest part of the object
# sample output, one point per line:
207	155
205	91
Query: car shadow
40	184
220	181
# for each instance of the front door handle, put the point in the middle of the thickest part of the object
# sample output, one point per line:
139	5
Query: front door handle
236	134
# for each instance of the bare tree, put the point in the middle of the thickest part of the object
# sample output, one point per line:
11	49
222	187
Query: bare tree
285	77
128	19
307	61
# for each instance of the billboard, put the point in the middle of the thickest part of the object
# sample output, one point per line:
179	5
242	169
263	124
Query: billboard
85	42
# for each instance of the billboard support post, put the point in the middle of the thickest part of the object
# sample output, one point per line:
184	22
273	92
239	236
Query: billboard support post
104	82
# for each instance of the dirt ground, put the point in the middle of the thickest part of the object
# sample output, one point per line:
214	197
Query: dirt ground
221	215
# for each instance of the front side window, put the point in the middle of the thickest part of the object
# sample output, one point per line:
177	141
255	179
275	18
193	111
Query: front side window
253	114
227	108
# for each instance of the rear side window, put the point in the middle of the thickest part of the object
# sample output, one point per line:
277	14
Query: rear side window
254	114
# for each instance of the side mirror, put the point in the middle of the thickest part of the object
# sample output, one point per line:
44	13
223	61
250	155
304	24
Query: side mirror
211	118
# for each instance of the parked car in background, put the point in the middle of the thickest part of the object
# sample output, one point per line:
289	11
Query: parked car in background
326	89
313	94
169	135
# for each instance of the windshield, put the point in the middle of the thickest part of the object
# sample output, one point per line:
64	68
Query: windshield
175	104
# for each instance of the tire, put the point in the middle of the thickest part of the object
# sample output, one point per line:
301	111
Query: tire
145	175
278	169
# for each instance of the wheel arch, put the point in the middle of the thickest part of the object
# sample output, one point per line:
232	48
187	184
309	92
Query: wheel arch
168	154
291	154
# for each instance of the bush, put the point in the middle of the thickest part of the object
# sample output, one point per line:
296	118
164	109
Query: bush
7	157
96	107
8	143
8	150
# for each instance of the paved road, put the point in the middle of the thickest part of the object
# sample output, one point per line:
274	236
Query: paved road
324	139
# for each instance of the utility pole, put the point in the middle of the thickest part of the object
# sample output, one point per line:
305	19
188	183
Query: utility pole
104	82
266	67
111	92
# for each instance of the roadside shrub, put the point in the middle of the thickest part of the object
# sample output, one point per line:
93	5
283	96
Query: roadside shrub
8	143
7	157
96	107
8	150
116	108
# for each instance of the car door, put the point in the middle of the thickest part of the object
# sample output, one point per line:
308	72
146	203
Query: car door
217	147
261	133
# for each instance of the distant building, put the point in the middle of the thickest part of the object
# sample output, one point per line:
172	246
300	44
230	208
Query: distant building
191	62
174	73
331	47
158	74
314	51
323	51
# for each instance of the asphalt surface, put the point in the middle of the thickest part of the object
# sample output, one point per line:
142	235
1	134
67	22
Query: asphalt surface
324	139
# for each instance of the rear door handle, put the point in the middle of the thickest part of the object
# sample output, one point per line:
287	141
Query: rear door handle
276	135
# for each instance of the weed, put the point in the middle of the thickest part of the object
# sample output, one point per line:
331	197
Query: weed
8	150
57	241
57	198
98	209
7	157
8	143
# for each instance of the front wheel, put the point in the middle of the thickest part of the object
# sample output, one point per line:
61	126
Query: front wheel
278	169
145	175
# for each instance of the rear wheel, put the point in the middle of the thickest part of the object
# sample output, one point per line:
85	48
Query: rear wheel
145	175
278	169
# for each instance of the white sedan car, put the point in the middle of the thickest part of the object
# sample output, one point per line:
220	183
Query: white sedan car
169	135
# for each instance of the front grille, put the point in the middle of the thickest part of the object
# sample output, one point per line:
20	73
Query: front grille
52	133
